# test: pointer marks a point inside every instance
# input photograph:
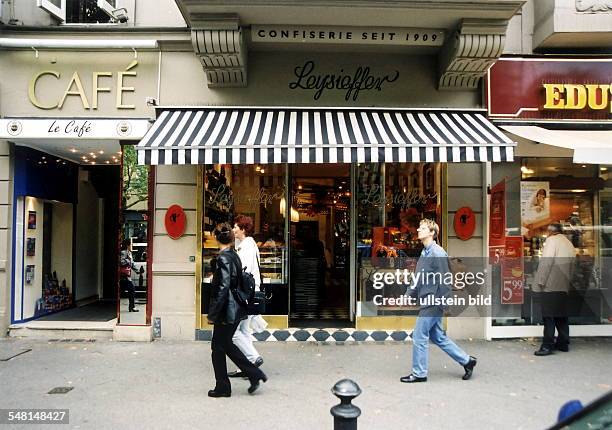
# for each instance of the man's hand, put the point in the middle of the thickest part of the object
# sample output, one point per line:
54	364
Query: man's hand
209	322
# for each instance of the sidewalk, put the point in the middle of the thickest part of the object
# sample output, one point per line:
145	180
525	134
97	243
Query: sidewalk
163	385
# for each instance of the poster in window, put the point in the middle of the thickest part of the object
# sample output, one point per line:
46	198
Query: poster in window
497	223
512	285
535	206
29	274
31	220
31	247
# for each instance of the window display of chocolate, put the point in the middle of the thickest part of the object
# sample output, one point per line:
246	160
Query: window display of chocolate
55	297
31	220
31	247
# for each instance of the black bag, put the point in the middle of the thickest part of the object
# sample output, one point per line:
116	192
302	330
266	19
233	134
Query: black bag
245	293
258	305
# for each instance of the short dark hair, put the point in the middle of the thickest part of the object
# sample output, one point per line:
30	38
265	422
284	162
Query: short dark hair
245	223
555	227
224	234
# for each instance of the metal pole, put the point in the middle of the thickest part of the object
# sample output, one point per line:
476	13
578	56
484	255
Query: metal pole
345	414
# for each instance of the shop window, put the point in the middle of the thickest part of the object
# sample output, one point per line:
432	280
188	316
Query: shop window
259	193
543	193
391	201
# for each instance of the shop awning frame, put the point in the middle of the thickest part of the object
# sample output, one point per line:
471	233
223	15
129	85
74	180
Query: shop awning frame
253	135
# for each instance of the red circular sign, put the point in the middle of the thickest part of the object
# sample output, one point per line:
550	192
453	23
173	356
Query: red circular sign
464	223
175	221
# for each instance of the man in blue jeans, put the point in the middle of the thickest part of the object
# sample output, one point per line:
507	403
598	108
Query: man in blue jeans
432	267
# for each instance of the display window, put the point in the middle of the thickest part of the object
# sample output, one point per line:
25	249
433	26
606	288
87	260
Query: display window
545	195
392	199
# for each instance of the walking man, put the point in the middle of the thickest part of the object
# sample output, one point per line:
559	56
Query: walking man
553	281
432	266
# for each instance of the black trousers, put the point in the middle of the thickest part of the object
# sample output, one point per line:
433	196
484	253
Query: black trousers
562	326
223	346
554	315
127	284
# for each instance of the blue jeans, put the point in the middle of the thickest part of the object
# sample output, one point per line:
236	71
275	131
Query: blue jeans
430	328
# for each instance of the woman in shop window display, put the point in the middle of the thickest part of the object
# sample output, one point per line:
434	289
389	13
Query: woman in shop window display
249	256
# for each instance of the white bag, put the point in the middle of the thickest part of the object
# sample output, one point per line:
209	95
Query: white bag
258	324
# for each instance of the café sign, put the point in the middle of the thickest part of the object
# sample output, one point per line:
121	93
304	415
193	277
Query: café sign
73	128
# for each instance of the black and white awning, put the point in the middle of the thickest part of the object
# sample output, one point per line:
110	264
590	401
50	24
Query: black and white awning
276	135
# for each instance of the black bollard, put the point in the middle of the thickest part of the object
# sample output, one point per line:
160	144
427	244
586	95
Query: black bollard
345	414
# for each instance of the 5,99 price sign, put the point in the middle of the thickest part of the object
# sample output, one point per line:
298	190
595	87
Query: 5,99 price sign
512	269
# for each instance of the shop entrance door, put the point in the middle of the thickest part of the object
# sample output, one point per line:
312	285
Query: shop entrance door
320	245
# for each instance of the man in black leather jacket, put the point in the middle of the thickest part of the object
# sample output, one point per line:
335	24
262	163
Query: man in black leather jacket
225	314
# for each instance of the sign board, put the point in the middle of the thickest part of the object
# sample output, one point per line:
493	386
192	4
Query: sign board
175	221
535	205
464	223
373	36
550	89
512	269
73	128
497	215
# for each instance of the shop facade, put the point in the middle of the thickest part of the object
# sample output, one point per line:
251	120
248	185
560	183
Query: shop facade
559	113
69	132
335	181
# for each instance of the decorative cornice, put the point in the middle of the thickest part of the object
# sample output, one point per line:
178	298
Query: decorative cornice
220	45
468	54
594	6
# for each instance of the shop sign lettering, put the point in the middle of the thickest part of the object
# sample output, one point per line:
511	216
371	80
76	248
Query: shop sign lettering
381	36
222	196
373	196
352	83
75	88
578	96
70	128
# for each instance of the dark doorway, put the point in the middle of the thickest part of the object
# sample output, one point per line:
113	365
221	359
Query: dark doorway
320	246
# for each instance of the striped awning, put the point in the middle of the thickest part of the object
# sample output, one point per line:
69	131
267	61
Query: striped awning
276	135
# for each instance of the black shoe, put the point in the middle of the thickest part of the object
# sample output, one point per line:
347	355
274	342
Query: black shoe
216	393
258	362
236	374
133	310
562	348
255	383
543	351
469	368
411	378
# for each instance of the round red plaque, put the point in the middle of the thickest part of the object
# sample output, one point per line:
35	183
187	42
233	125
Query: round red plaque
175	221
464	223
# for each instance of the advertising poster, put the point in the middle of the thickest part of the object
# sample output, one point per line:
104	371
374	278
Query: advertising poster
535	206
512	292
497	223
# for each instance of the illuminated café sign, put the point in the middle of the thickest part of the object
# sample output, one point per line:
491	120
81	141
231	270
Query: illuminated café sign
101	82
571	96
347	35
550	89
73	128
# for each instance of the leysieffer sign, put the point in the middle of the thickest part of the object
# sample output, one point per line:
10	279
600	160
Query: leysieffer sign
307	77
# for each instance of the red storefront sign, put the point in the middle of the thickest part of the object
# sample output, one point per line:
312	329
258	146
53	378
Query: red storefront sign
497	218
512	269
553	89
175	221
464	223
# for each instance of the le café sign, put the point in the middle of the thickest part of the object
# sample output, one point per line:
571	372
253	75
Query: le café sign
550	89
72	84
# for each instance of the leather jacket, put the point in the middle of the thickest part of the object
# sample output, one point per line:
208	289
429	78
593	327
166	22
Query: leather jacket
224	309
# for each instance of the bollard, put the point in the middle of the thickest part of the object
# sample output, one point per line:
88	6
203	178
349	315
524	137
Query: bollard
345	414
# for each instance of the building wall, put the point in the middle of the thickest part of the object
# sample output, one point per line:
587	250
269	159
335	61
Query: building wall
173	269
466	188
